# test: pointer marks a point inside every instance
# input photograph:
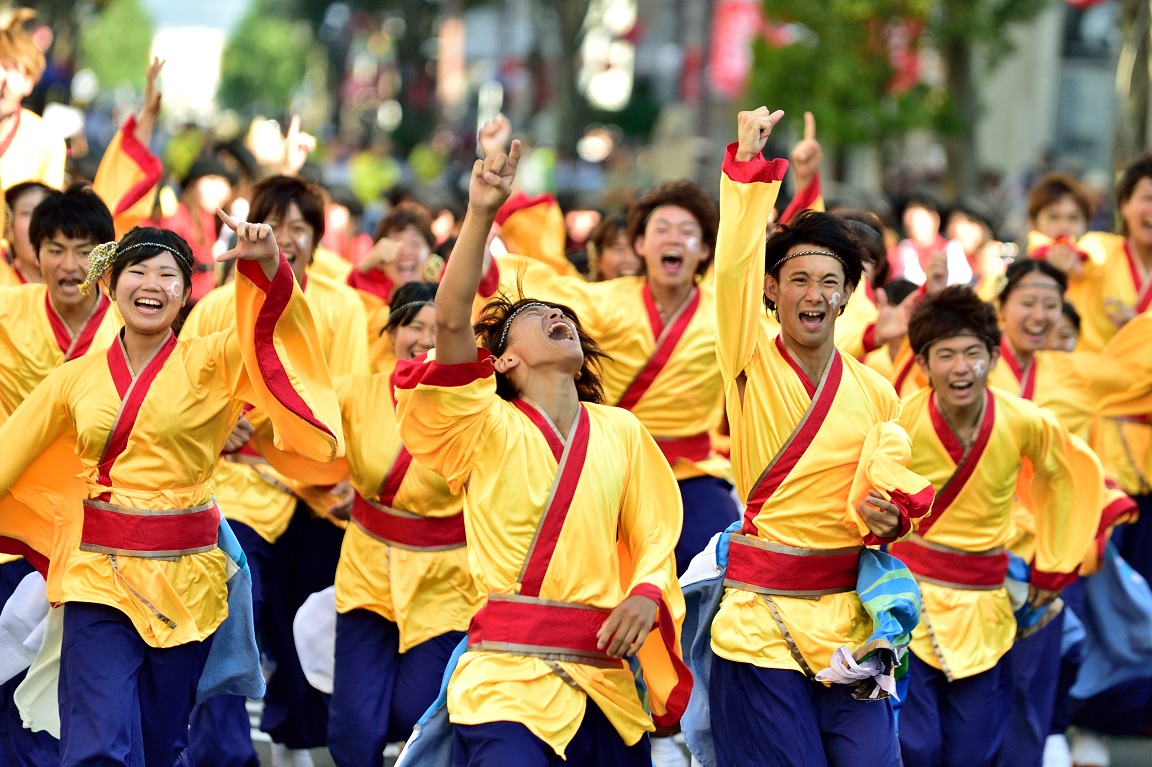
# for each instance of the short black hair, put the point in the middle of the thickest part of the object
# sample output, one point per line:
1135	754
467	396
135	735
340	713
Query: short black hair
77	212
407	301
1021	268
683	194
820	230
1069	311
272	196
1138	168
165	241
16	191
400	219
953	311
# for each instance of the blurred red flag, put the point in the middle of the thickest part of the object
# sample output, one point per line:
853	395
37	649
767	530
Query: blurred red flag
735	25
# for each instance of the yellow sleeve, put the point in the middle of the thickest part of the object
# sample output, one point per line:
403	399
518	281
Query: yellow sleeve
651	515
349	343
57	160
747	193
449	415
32	427
1065	496
287	375
1120	377
127	178
534	227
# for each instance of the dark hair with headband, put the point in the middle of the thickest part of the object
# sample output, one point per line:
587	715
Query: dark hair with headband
826	234
77	213
954	311
1016	275
492	333
1073	316
143	243
683	194
407	301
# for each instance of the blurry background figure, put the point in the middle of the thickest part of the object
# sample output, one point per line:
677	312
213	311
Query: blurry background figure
610	255
207	186
21	199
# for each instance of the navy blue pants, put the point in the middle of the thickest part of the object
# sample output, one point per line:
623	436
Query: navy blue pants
123	703
1036	667
220	733
1134	541
304	562
955	724
377	692
504	744
708	509
20	747
769	717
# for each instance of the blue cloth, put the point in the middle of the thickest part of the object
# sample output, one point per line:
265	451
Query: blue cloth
885	586
771	716
121	700
19	746
233	665
954	724
709	507
220	732
1036	665
304	562
379	693
503	744
1134	541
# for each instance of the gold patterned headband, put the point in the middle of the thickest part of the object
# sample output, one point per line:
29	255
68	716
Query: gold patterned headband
828	253
103	255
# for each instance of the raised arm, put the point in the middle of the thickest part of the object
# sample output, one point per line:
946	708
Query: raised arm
490	186
748	189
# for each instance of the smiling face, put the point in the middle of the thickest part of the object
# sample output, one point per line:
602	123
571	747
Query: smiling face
296	239
1063	218
408	265
958	369
671	246
808	295
1030	311
1063	336
541	336
64	265
417	337
617	259
149	294
23	253
1137	214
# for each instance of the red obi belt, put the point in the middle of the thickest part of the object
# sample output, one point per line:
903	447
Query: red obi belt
149	533
406	530
695	448
955	569
540	628
771	568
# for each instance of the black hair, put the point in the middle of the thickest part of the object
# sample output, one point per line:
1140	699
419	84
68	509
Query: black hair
1140	167
490	328
407	301
272	196
400	219
953	311
684	194
1069	311
1021	268
77	213
16	191
163	241
820	230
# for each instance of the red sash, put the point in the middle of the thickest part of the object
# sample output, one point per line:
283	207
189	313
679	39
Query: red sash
149	533
798	441
667	337
790	571
77	346
1143	287
696	448
966	459
1026	376
132	391
953	568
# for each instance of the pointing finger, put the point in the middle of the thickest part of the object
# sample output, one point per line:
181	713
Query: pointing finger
809	126
514	154
229	222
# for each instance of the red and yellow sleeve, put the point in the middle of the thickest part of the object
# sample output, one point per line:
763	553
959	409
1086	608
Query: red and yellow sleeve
534	227
127	178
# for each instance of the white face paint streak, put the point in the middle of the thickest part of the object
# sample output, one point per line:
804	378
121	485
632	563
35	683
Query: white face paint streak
834	301
979	367
692	244
173	290
302	242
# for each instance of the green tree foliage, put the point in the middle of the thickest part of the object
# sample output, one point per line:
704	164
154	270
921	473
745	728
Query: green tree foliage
264	60
116	44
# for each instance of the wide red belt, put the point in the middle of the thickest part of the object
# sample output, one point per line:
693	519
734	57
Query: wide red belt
407	530
790	571
540	628
953	568
695	448
149	533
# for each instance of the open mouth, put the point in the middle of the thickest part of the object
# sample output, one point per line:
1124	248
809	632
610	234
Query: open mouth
70	283
961	386
148	305
561	331
672	262
811	320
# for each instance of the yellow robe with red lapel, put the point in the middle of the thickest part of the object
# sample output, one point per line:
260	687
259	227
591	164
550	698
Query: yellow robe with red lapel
34	154
972	629
454	423
1105	276
860	447
184	420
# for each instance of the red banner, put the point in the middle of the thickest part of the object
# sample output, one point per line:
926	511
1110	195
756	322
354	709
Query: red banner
736	24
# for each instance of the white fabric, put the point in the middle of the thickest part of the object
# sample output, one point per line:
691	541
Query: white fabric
703	566
843	669
314	631
37	696
1056	752
22	624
